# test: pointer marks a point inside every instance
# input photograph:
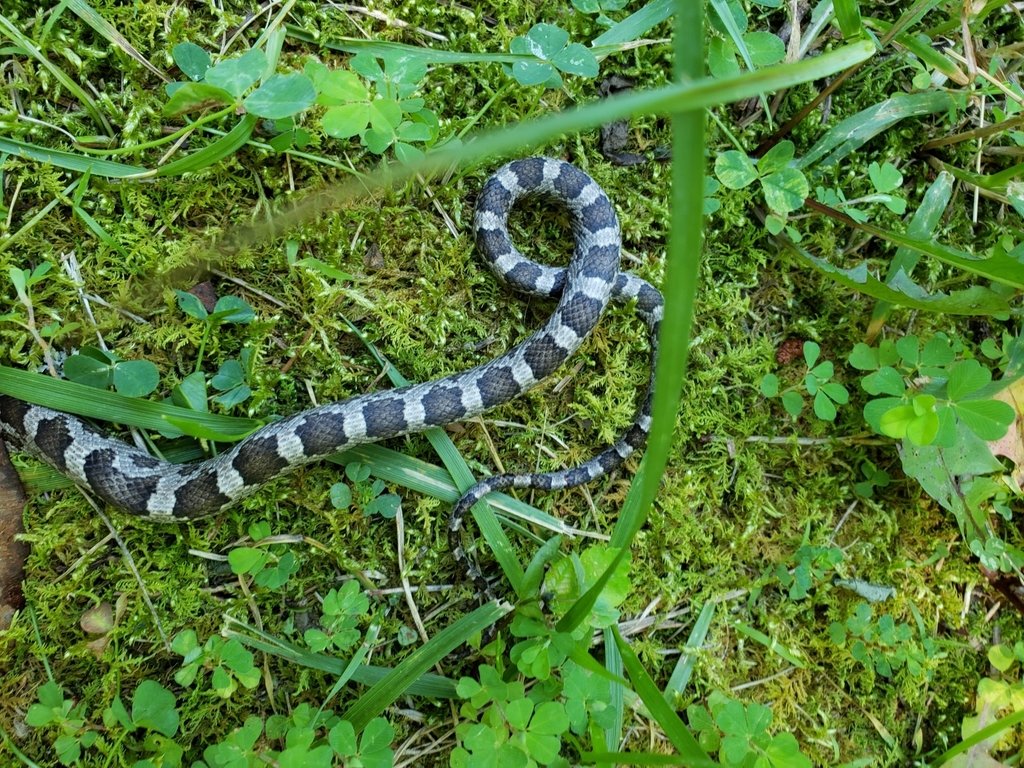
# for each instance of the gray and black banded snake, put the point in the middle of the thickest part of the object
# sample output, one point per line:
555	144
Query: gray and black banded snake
136	482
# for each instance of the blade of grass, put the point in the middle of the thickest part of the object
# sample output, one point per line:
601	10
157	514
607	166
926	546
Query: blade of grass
381	695
418	475
1000	725
5	740
922	227
275	28
55	13
993	182
924	52
95	226
682	267
613	663
724	13
582	657
665	715
682	271
848	16
974	134
105	29
382	48
428	684
855	131
69	160
636	24
354	663
212	153
684	667
695	94
109	406
976	300
999	267
100	232
168	139
27	227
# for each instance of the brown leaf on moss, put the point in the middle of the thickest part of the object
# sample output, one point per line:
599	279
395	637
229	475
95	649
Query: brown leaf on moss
1011	445
98	620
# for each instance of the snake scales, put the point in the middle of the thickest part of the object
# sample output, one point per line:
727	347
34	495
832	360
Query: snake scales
136	482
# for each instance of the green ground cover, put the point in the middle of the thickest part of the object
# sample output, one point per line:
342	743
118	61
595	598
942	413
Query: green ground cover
809	586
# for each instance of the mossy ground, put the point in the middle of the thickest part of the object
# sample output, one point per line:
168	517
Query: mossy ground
729	508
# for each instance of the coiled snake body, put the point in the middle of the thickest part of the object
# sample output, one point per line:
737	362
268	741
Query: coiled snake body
141	484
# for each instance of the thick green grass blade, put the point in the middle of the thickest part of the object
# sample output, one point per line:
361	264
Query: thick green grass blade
848	16
1000	725
612	41
682	267
430	685
1000	267
692	95
369	640
432	480
697	94
855	131
613	663
922	227
684	667
212	153
992	182
923	51
680	288
381	695
109	406
666	717
69	160
636	24
976	300
383	48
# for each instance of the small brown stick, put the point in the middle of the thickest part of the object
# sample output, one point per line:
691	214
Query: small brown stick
13	552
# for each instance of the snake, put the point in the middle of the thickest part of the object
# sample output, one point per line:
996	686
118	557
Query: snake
129	479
